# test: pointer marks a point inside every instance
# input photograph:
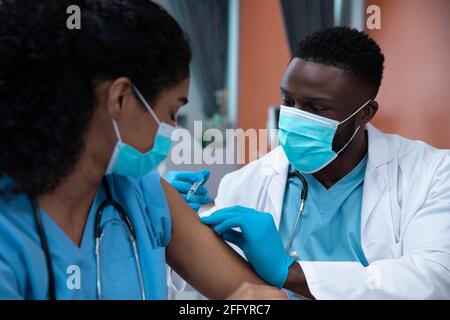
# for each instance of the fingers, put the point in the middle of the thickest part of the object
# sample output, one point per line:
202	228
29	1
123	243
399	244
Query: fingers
205	174
187	176
219	216
191	177
234	237
227	225
224	214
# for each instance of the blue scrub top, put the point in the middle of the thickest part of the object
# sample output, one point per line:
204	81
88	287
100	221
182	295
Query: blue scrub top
23	271
330	225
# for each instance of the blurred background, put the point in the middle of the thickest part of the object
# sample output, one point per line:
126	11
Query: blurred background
242	47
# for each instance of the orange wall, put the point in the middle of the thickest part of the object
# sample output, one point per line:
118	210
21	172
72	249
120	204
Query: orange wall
263	57
415	94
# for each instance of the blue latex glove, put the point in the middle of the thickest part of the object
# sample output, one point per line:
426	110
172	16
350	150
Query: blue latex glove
182	181
258	239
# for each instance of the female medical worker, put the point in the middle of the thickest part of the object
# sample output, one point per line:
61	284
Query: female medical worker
77	104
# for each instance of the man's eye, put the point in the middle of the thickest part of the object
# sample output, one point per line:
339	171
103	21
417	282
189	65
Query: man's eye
287	102
312	109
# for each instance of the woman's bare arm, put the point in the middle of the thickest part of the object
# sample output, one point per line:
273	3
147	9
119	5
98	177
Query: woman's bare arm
202	258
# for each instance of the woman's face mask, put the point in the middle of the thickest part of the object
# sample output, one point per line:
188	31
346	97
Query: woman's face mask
127	161
307	139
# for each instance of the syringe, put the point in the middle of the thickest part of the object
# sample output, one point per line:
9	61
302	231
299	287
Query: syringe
194	188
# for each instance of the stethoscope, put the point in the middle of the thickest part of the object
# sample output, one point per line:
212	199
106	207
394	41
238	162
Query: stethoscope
303	196
98	233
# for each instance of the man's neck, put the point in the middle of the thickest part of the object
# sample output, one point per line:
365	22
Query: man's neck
346	162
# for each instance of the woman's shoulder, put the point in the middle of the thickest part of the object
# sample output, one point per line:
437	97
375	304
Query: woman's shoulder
18	243
148	191
148	186
16	213
16	220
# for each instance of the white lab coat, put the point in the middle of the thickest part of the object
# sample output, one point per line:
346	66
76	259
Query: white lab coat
405	220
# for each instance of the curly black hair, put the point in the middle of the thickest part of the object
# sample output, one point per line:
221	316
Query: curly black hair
347	49
48	76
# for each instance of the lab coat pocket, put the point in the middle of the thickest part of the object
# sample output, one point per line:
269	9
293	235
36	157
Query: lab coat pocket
121	280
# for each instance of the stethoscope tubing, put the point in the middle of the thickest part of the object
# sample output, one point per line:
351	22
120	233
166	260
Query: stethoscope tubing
98	234
303	196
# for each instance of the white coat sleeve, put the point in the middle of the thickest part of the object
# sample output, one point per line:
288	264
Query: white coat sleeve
422	272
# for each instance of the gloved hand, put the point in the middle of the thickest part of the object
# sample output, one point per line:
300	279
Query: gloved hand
258	239
182	181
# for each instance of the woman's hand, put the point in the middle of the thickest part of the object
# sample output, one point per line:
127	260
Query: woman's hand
249	291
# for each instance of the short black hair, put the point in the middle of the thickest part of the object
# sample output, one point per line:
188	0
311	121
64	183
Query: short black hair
48	76
347	49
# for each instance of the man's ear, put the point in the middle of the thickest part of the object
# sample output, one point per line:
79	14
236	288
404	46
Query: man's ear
369	112
120	95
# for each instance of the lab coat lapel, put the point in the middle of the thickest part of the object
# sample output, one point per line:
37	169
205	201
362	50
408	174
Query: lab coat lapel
277	184
376	176
374	186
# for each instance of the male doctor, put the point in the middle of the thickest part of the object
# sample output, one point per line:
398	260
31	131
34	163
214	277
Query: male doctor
376	220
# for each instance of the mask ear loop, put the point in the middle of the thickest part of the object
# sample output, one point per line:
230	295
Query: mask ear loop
357	129
116	129
147	106
351	139
351	116
112	161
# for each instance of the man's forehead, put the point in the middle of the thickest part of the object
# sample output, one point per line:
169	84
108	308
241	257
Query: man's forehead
315	78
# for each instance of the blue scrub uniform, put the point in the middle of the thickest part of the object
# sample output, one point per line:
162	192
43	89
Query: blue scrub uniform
330	225
23	271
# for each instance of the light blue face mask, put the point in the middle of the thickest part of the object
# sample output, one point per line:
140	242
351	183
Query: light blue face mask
307	139
127	161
